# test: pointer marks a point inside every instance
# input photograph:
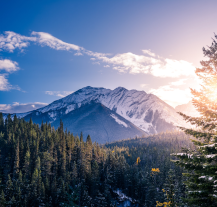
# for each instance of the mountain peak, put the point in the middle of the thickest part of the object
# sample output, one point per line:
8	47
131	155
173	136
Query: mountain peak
90	87
120	89
94	89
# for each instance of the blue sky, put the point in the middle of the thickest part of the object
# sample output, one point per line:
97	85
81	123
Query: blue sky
49	49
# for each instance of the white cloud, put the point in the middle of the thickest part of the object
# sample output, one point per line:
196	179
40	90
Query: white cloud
158	67
78	54
95	54
172	96
8	65
96	63
20	107
11	40
149	53
143	85
59	93
129	62
179	82
106	66
149	63
4	85
173	68
53	42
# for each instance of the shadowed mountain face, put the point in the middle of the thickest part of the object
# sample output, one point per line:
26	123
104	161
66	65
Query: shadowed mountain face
95	119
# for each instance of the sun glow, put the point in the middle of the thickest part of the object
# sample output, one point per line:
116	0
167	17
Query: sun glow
211	90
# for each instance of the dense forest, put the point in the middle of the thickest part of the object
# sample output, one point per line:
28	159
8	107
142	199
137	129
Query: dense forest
41	166
149	175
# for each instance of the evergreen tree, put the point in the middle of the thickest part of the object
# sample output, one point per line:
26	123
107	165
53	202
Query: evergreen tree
201	163
1	123
89	141
16	162
81	138
27	166
2	201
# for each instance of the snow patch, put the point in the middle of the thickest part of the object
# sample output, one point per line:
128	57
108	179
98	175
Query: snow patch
209	145
118	120
206	177
210	156
70	108
122	196
52	115
183	154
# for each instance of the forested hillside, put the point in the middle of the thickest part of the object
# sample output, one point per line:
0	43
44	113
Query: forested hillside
150	175
41	166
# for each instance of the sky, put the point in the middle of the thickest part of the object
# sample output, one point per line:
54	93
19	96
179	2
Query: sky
49	49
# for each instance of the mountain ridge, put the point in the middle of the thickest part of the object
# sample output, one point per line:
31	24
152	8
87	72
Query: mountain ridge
146	111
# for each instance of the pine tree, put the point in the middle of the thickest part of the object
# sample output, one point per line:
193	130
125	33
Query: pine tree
2	201
81	138
170	189
94	181
201	163
89	141
1	123
74	173
9	188
27	166
16	162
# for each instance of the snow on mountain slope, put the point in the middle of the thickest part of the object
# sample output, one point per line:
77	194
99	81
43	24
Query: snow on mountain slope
146	111
118	120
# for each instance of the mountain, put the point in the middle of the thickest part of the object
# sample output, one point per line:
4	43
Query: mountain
146	111
103	124
188	109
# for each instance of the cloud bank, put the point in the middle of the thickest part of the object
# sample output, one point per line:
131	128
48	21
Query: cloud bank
172	95
20	107
59	93
11	41
4	85
147	63
9	67
45	39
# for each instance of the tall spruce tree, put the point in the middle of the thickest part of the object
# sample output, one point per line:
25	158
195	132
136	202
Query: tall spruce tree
201	163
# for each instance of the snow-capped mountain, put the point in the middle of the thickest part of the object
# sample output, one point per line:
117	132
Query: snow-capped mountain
146	111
